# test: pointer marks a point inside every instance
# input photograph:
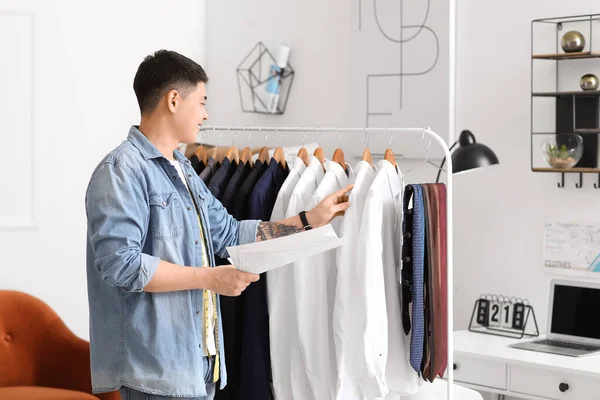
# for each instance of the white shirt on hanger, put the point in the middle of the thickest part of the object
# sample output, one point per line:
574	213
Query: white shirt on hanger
282	321
347	317
386	346
315	279
283	197
292	381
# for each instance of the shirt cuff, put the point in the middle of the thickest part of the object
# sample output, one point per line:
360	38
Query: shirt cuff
148	267
247	231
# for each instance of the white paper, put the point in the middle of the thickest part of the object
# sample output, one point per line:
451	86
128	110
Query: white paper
265	256
572	245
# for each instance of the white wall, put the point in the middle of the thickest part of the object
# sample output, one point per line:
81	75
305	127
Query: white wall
324	92
499	212
317	32
84	60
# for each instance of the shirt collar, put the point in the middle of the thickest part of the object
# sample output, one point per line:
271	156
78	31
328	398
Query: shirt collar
298	165
340	175
277	171
142	143
316	167
360	165
392	176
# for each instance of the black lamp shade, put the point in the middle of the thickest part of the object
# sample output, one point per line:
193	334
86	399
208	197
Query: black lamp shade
470	154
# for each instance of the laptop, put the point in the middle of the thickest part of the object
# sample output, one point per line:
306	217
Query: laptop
573	321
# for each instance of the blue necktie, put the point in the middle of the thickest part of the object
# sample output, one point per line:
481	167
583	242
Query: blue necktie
418	252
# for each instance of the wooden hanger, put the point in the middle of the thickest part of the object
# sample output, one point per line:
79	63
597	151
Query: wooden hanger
367	156
201	154
263	156
279	156
233	154
338	157
320	155
319	151
303	154
217	154
389	156
246	156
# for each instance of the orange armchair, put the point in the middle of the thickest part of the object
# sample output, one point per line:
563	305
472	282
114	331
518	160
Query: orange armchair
40	358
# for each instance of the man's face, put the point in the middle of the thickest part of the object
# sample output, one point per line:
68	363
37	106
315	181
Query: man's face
189	113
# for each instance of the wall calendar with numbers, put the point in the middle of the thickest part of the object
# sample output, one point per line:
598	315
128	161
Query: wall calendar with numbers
572	246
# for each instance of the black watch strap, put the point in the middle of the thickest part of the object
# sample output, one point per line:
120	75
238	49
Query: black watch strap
304	221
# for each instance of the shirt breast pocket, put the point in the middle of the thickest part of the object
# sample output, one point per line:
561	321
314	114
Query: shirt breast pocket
165	215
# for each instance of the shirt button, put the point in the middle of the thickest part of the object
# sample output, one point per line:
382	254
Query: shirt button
173	176
197	312
197	242
189	208
189	175
164	203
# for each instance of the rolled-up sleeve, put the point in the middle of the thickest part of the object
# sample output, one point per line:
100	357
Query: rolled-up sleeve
225	230
118	217
247	231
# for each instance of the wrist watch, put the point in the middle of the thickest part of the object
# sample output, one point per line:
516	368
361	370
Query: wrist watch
307	226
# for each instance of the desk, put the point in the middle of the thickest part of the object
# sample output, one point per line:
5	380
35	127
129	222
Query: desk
485	362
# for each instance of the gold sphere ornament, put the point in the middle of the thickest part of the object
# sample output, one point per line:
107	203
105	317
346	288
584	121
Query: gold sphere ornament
572	42
589	82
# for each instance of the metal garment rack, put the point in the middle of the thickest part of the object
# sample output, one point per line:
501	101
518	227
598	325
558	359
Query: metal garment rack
391	131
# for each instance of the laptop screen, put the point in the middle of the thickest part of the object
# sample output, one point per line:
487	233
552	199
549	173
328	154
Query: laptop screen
575	311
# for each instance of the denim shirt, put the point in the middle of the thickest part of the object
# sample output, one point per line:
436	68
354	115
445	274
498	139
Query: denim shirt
140	212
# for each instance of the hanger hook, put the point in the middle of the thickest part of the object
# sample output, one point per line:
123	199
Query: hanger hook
391	136
320	137
249	133
234	136
280	135
304	137
366	138
214	127
266	133
202	137
339	135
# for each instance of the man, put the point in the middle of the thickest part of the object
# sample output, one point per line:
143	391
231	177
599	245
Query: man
153	232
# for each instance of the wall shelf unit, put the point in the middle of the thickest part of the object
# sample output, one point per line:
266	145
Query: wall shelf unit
560	109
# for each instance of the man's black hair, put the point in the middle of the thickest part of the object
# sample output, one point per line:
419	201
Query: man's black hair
163	71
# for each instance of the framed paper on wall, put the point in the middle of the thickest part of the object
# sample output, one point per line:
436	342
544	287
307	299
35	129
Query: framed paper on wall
572	247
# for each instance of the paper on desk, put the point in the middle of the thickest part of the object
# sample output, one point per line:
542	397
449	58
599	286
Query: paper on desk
265	256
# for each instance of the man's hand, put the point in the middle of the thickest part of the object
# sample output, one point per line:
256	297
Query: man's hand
228	281
332	206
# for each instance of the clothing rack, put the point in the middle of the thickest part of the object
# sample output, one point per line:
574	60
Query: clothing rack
391	131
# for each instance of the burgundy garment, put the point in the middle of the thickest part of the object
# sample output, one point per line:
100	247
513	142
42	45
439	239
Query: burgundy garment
440	366
437	288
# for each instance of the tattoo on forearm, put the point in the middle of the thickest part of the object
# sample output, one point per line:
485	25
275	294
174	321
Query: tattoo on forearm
271	230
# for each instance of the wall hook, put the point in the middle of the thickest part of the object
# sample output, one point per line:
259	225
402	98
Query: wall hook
561	184
580	184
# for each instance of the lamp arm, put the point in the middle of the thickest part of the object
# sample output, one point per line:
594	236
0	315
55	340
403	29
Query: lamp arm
443	162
